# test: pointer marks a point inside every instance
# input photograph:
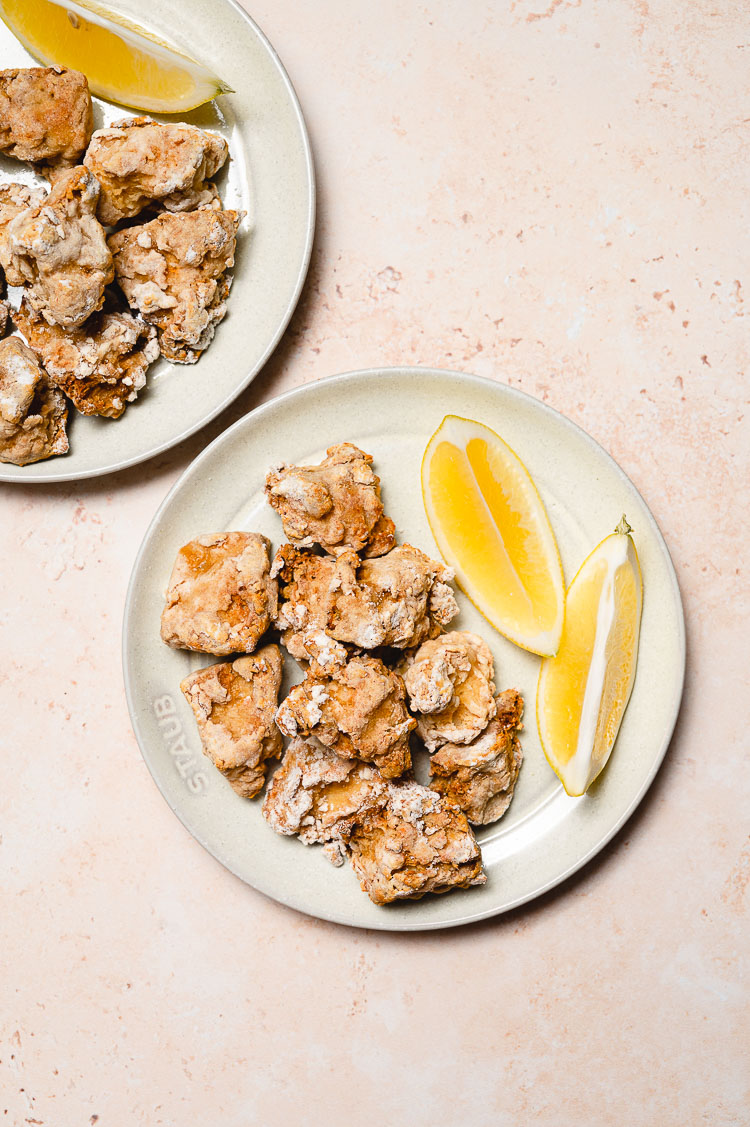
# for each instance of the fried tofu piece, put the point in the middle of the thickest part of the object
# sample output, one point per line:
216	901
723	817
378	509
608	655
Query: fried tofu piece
57	250
336	504
414	844
138	161
450	685
100	366
399	599
318	795
15	198
221	598
234	705
358	710
33	415
173	271
4	306
45	115
403	840
479	778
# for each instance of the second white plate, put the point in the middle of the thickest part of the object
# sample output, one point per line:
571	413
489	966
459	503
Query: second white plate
391	414
270	177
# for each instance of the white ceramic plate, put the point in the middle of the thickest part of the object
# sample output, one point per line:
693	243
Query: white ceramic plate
269	176
391	414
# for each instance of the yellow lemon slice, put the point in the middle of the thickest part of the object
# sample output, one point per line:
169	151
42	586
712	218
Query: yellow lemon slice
123	62
583	691
492	529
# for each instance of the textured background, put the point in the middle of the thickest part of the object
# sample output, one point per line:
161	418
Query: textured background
552	194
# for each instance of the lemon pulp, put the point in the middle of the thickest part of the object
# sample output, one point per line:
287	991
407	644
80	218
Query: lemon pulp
123	62
491	526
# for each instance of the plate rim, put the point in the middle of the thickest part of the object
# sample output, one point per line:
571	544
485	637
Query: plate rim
360	375
12	478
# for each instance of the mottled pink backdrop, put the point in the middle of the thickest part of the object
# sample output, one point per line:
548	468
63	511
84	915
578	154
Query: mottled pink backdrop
552	194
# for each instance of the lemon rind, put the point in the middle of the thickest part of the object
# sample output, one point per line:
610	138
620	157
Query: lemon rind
541	727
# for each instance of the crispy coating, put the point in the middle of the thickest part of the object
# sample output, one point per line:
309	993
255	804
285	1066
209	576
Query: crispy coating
33	415
45	115
173	271
414	844
382	538
396	600
336	504
358	710
234	705
323	655
15	198
100	366
221	598
450	685
57	250
480	777
403	840
318	795
138	161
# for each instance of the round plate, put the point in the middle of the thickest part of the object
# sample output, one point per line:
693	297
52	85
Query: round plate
391	414
269	176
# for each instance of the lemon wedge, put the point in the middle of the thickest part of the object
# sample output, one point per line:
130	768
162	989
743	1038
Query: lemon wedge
583	691
492	528
123	62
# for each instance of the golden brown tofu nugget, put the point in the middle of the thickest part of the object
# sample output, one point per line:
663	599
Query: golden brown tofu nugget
480	777
100	366
138	161
45	115
58	251
358	709
173	271
33	415
450	685
234	705
221	598
415	844
15	198
395	600
318	795
336	504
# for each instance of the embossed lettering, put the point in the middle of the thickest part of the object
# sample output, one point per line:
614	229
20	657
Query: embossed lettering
184	766
170	727
164	706
197	782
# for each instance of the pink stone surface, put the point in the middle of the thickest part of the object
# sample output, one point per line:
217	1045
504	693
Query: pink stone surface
552	194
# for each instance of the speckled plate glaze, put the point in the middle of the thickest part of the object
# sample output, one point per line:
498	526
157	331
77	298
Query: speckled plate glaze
391	413
269	176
